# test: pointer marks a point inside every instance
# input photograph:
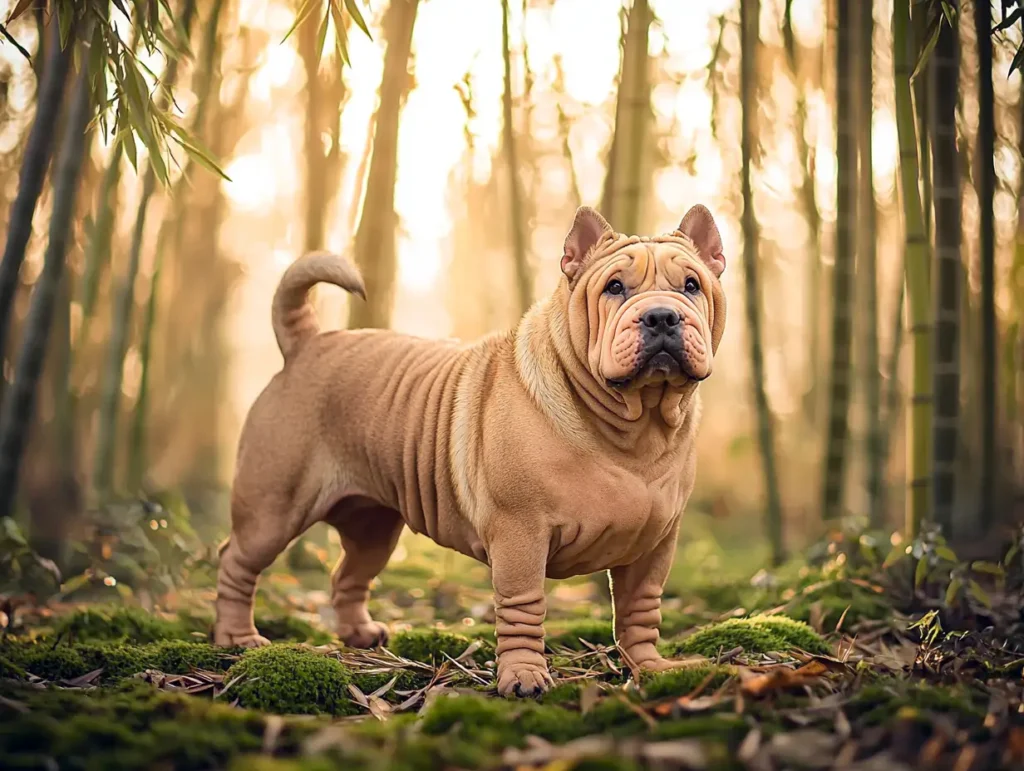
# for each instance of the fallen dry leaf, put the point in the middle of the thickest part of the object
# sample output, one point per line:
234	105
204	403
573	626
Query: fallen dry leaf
781	678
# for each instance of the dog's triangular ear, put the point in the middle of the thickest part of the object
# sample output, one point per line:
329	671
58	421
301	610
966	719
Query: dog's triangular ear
587	229
700	227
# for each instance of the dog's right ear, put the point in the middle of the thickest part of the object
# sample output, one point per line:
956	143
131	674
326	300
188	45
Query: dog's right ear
587	229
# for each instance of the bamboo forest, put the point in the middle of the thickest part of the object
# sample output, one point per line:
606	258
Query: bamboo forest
367	398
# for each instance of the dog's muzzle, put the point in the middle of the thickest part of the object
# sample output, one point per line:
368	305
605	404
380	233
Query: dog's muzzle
661	329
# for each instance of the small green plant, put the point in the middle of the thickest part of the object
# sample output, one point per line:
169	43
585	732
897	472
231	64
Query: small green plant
291	680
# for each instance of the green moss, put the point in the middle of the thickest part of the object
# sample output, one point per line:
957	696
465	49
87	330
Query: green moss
604	764
108	624
564	695
757	634
408	680
880	702
10	670
674	622
569	635
680	682
429	646
288	679
494	723
725	727
49	663
130	727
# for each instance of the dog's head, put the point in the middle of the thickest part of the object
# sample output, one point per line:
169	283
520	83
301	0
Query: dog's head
648	311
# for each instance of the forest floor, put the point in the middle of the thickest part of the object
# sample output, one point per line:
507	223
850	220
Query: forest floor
847	660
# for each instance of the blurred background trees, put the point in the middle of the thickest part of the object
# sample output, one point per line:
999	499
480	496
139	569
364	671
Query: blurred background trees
862	159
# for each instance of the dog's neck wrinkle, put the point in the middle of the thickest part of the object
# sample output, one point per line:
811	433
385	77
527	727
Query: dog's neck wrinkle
628	426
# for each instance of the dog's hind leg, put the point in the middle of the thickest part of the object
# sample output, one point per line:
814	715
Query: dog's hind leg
254	544
368	536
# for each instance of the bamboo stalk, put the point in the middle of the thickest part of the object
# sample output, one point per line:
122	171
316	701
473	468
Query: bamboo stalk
842	276
375	236
942	100
984	154
867	268
524	276
19	406
749	10
918	288
124	306
38	152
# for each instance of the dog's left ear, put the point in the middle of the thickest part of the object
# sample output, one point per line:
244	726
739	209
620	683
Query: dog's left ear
700	227
587	229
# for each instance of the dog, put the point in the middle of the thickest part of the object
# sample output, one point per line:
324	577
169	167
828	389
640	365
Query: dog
561	448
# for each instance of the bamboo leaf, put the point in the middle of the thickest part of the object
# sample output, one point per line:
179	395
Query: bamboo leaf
1008	21
981	566
357	16
321	34
130	149
898	553
301	16
18	10
952	591
340	35
1018	59
950	13
203	160
934	28
945	553
920	573
65	18
979	594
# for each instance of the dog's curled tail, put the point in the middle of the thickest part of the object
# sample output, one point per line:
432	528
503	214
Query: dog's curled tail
293	315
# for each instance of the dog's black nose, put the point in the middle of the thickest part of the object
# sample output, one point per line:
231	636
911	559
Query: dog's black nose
661	319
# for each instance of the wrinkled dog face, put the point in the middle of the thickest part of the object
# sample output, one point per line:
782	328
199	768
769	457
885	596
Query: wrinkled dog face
651	302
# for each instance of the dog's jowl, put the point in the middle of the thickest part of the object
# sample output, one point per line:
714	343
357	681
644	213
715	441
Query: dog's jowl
563	447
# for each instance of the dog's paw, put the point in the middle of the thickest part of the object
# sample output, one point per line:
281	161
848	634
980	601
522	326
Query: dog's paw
369	635
524	679
244	640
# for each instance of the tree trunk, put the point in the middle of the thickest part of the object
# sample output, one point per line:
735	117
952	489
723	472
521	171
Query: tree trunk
942	99
749	10
375	238
916	263
124	306
620	202
524	276
169	230
842	275
564	130
808	197
19	406
986	184
30	183
867	269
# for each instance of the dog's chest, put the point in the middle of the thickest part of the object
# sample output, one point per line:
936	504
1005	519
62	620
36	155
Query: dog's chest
613	519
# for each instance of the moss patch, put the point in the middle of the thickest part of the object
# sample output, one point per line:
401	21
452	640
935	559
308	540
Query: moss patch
829	603
109	624
757	634
117	660
494	723
430	646
129	727
288	679
680	682
569	635
881	702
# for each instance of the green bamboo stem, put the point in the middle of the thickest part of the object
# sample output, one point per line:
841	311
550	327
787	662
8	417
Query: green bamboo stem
766	437
124	305
948	278
918	288
838	428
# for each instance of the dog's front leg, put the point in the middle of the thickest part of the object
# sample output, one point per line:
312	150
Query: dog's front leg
518	560
636	600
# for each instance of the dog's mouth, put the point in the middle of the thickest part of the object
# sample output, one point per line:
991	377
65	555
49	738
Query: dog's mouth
658	360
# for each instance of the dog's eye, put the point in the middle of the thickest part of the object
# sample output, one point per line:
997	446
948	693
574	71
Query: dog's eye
615	287
691	286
